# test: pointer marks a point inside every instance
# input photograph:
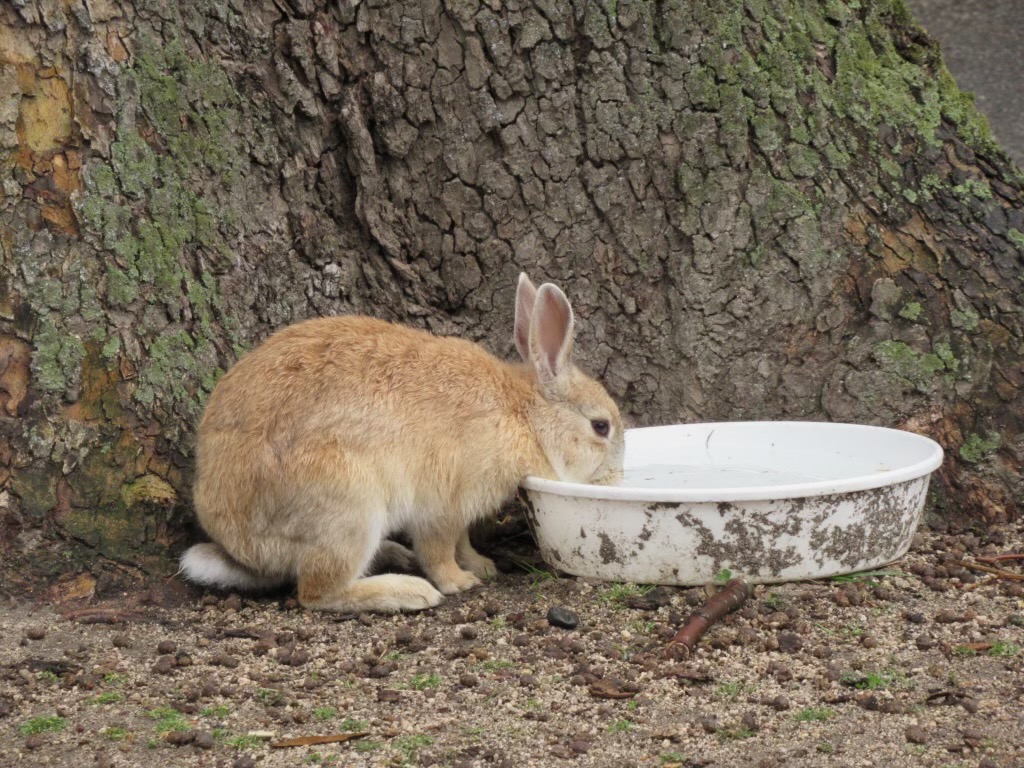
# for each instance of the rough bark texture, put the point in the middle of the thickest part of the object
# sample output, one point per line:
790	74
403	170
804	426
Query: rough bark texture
765	209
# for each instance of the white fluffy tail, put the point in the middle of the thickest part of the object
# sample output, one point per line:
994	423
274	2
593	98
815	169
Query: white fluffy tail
210	565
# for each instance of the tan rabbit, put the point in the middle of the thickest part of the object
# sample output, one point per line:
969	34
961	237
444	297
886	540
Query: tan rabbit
337	431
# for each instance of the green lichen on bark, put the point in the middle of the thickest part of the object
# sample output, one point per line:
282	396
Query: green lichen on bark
37	491
805	79
57	358
911	311
977	447
180	116
966	320
916	367
136	327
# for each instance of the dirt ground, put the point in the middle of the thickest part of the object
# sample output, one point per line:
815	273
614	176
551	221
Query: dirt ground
918	665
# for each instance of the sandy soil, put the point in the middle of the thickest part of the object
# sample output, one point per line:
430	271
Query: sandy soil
920	665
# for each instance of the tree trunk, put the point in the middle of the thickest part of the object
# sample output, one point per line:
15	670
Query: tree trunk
763	209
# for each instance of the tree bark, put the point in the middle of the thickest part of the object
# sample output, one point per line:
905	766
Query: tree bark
761	209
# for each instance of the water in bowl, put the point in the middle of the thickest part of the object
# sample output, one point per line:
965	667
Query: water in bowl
708	476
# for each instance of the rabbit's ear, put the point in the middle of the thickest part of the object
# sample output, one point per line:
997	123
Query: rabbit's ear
551	338
526	293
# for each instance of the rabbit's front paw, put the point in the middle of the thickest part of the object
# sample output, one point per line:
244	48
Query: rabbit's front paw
450	579
481	567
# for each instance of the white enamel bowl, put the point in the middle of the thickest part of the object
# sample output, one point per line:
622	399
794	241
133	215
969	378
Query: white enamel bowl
769	501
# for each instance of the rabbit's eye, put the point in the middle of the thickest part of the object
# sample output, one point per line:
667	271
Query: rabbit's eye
600	426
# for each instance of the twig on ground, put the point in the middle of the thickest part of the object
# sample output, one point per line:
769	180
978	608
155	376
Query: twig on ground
1000	572
734	594
305	741
976	647
607	689
98	615
1000	558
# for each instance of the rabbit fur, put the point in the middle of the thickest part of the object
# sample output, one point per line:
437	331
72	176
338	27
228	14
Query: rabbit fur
337	431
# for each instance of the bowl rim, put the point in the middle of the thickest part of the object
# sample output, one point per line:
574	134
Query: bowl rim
854	483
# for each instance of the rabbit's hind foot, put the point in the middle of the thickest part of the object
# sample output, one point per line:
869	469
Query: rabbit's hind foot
386	593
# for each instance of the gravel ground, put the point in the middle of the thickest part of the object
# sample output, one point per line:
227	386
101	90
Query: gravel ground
917	665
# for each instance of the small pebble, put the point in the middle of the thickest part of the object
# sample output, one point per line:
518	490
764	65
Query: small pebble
579	746
562	617
780	672
404	636
164	665
868	641
232	603
790	642
35	741
916	734
209	689
709	723
204	740
263	646
35	633
221	659
868	701
1013	589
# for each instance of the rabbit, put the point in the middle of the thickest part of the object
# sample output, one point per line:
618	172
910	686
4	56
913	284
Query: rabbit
337	431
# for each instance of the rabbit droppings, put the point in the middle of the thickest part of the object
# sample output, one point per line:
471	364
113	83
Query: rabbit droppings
338	431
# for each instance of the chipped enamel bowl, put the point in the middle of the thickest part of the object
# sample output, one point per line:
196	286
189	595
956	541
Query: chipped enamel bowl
769	501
